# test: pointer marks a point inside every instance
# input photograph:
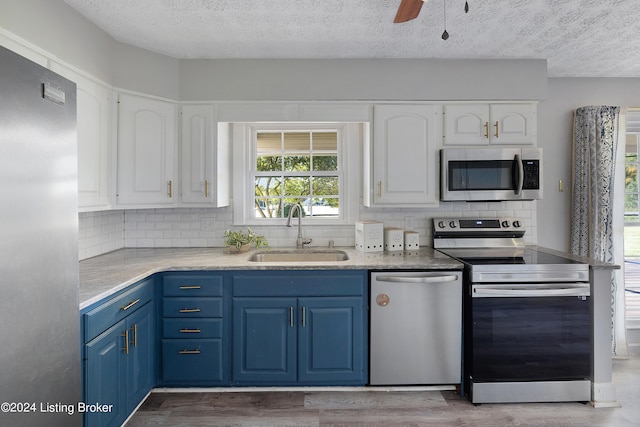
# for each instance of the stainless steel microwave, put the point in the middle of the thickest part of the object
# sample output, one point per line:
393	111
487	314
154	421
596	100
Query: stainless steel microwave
490	174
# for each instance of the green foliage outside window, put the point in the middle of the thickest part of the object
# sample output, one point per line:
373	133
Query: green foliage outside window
297	167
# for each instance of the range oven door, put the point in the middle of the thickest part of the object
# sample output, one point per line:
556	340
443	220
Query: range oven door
530	332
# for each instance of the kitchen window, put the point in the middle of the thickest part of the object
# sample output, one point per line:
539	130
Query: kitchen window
284	164
632	225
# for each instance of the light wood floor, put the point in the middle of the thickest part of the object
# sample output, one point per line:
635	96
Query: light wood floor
379	408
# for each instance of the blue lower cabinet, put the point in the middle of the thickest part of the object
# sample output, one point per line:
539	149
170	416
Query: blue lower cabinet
120	367
141	364
331	341
264	340
106	377
314	338
195	352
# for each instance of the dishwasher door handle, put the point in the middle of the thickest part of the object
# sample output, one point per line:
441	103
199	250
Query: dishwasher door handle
418	279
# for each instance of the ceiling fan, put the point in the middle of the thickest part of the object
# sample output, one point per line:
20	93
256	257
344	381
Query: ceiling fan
409	9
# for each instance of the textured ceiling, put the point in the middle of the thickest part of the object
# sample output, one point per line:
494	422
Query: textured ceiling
579	38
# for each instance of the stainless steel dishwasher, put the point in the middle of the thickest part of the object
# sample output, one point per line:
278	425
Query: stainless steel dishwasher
416	328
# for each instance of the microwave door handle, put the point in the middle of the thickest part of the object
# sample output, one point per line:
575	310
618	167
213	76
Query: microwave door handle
519	174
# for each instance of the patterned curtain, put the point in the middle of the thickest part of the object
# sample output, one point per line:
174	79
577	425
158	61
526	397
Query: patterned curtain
595	142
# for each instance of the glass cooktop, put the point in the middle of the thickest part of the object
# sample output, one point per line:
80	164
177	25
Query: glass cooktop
504	256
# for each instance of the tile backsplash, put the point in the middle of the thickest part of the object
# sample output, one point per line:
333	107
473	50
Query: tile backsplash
100	232
105	231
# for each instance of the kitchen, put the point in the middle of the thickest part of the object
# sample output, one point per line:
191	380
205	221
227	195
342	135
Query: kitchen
116	63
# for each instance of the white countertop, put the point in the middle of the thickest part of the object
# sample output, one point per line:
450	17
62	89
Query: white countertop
107	274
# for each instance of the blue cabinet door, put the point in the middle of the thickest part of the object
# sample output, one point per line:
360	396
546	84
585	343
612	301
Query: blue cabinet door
120	366
141	357
332	341
106	376
264	340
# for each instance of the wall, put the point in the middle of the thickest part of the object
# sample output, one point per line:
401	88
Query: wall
363	79
555	129
57	29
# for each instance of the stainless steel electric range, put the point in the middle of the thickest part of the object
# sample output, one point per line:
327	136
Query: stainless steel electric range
527	322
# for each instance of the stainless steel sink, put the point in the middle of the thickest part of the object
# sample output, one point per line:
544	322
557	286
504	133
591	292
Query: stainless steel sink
300	255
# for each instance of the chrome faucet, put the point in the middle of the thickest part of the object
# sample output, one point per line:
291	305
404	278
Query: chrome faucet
300	241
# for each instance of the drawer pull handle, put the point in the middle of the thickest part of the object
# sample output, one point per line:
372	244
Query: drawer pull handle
191	287
126	341
128	306
190	331
185	351
135	334
189	310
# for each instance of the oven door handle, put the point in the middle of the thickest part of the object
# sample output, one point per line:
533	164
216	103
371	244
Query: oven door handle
484	291
418	279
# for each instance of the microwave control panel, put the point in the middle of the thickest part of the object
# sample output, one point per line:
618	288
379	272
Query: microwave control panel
531	174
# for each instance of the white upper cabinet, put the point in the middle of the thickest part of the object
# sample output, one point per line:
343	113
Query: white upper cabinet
404	156
147	152
204	158
482	124
94	130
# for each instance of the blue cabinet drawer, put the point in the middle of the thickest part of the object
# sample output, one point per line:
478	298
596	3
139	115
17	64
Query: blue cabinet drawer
103	316
299	283
192	307
192	362
188	284
192	328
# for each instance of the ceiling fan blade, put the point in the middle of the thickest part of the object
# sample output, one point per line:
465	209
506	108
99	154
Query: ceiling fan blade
408	10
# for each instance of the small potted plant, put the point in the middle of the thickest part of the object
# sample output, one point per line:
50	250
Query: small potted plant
239	241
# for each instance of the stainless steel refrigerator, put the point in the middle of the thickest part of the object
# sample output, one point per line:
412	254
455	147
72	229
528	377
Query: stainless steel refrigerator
39	327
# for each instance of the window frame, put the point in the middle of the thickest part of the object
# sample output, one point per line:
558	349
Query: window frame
635	193
350	137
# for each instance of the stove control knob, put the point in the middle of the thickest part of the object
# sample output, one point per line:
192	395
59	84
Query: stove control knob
441	224
452	224
505	224
516	224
